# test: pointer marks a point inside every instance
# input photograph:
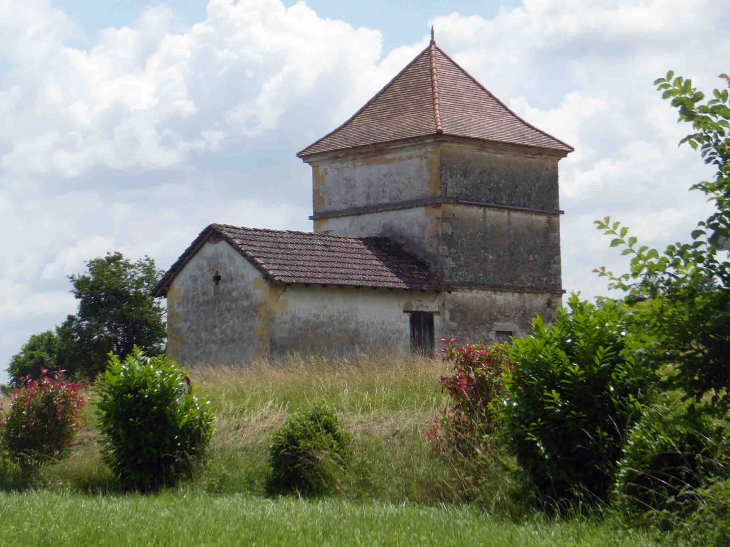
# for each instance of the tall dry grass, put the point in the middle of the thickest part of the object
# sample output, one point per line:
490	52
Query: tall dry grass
360	384
385	402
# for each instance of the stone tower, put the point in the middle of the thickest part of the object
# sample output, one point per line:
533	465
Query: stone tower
437	163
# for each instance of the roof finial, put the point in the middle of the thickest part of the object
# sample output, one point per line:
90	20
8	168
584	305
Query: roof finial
433	40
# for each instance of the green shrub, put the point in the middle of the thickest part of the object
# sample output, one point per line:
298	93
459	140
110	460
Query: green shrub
309	451
42	421
154	431
575	390
709	525
671	453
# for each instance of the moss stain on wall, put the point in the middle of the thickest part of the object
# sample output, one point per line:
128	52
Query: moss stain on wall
174	318
266	310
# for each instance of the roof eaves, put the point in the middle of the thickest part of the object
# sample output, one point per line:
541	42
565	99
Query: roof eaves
420	138
162	286
229	235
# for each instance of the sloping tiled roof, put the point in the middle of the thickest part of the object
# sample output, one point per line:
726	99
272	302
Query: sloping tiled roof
433	95
319	259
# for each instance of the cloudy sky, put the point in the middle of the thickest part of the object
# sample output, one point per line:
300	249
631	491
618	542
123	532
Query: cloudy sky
132	126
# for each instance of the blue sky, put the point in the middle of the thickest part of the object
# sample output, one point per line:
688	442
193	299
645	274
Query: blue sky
132	126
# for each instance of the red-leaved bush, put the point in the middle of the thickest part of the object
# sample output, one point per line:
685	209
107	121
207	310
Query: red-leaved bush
42	420
469	425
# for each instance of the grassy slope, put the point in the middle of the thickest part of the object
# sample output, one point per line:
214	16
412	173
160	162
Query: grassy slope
386	404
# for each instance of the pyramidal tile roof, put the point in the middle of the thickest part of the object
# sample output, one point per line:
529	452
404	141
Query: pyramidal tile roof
433	95
315	258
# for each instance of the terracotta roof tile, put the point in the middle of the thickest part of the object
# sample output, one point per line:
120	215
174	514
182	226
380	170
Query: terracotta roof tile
430	96
319	259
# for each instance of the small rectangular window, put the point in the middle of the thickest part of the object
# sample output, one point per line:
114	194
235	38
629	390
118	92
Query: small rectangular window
422	333
503	336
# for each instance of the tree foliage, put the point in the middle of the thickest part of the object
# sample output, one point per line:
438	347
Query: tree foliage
681	297
116	311
38	353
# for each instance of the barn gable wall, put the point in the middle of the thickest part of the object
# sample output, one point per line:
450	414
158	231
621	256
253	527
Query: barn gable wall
217	324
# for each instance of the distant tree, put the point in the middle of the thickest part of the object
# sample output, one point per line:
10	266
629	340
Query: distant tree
40	351
116	311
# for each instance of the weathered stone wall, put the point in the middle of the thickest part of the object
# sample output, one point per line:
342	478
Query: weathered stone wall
417	229
473	315
343	321
469	245
393	176
500	248
507	236
499	177
227	323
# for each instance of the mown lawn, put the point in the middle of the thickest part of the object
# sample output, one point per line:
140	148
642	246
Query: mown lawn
55	519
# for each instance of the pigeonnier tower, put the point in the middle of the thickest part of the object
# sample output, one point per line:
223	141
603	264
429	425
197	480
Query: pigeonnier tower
437	163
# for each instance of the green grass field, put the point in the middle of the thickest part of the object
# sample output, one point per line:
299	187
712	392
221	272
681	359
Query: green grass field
176	518
395	492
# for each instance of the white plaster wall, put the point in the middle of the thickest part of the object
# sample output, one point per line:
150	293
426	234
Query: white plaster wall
392	176
347	320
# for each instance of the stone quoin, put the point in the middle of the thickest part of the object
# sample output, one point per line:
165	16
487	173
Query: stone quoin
436	215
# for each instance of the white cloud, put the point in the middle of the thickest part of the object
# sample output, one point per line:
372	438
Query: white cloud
152	96
565	120
38	304
72	259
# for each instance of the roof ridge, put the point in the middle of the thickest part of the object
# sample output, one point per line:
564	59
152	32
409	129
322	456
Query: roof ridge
507	108
434	84
378	94
218	226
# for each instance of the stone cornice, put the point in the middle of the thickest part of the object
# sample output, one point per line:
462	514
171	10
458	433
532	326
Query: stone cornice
473	144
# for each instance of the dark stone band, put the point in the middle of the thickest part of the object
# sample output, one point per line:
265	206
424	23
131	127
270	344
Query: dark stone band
413	203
